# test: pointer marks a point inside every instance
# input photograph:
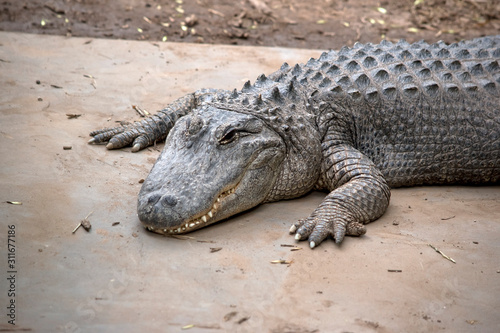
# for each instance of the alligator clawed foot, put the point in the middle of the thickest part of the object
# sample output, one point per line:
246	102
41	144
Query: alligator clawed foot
315	230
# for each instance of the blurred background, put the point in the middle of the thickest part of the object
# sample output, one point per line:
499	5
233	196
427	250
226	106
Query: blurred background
314	24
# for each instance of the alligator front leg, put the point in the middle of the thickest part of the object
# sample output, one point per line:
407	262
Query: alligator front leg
156	127
144	133
359	194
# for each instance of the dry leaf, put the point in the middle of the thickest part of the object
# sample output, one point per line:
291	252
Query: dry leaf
382	10
230	315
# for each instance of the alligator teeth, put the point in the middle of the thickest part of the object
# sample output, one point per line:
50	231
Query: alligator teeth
204	219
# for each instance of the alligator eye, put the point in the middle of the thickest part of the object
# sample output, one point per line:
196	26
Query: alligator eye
228	137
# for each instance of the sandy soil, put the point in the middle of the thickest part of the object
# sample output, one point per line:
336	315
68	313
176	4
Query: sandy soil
119	278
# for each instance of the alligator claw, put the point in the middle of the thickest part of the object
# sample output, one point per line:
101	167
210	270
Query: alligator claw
316	230
141	142
105	134
339	231
136	148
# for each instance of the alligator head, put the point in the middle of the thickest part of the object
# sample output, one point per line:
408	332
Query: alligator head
219	162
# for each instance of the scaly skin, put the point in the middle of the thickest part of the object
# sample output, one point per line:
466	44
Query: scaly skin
354	123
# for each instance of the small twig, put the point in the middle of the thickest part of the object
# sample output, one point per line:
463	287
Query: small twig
447	218
282	261
215	12
181	237
141	112
78	226
441	253
205	241
86	217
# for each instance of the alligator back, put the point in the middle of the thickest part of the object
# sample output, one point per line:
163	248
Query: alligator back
425	114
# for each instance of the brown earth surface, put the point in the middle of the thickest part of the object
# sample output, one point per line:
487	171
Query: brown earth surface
315	24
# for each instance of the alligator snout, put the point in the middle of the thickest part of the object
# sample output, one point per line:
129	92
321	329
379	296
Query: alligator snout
166	200
157	208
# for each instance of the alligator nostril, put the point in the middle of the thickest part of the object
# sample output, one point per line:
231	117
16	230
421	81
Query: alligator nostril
169	200
153	198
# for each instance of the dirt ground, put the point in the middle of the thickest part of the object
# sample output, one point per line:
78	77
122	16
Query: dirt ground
120	278
314	24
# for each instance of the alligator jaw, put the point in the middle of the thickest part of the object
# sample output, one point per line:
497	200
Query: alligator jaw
197	223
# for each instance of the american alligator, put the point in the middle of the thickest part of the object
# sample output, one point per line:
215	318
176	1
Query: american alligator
353	122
